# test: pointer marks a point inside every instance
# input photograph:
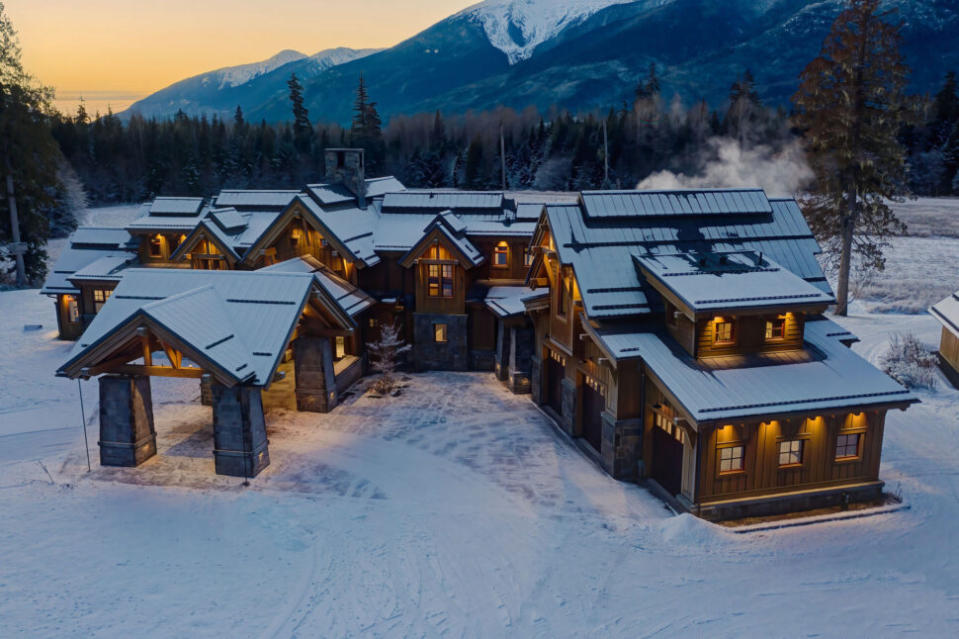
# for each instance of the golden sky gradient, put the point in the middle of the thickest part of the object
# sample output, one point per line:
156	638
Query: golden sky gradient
130	48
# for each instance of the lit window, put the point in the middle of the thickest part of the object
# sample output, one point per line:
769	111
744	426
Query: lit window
156	246
100	297
731	459
340	347
776	328
527	257
847	446
563	299
372	323
501	254
73	312
790	452
439	333
440	280
725	334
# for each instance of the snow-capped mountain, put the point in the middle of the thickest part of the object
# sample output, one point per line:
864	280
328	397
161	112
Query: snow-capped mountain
235	76
577	54
517	27
245	85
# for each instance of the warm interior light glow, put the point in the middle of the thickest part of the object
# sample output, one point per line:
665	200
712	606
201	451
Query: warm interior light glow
719	319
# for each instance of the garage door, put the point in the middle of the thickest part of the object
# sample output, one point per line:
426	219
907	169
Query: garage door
594	403
667	454
555	372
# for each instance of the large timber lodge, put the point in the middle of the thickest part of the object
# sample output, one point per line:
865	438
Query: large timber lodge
678	337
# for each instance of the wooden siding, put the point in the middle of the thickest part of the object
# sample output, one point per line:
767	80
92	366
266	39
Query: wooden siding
949	348
481	329
750	335
515	270
681	328
762	473
168	244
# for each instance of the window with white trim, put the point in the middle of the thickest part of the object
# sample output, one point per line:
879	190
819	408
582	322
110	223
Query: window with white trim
731	459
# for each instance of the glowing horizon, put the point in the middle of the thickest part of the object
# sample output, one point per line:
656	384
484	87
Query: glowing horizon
117	51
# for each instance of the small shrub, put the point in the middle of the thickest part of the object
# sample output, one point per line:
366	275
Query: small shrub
910	362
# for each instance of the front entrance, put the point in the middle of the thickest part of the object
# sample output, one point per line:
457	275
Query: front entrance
594	403
555	372
667	454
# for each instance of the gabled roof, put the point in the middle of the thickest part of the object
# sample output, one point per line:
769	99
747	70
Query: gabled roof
258	309
87	245
350	229
453	230
333	194
600	250
728	281
350	298
826	376
167	220
108	267
947	312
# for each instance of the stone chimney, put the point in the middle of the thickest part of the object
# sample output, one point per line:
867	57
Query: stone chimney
348	167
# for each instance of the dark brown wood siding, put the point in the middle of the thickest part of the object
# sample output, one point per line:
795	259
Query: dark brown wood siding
750	335
949	348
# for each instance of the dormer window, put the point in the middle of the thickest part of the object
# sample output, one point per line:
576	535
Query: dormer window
725	331
156	246
501	255
776	328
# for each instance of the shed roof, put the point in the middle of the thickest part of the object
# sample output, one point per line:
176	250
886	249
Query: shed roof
947	312
260	200
176	206
508	301
101	237
826	376
86	246
612	204
352	299
107	267
420	200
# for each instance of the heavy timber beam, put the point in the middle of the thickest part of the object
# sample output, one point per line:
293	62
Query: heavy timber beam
158	371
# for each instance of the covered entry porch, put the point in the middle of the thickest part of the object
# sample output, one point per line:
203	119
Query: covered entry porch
232	331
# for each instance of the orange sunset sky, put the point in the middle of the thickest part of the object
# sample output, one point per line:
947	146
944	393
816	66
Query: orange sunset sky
116	51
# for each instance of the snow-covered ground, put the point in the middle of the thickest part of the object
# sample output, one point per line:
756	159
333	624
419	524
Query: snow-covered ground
452	510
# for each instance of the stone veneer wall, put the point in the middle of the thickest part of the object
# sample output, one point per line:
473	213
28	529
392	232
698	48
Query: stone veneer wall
428	354
127	434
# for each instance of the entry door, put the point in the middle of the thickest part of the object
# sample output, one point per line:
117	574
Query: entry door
594	402
668	458
555	371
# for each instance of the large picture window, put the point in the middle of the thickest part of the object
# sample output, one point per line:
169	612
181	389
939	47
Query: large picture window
725	331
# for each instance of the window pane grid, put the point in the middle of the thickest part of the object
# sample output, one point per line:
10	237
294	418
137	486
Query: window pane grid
731	459
790	452
847	446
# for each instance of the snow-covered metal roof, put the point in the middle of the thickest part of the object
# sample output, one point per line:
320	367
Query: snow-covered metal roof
607	204
260	200
108	267
824	327
600	251
419	200
100	237
825	376
176	206
350	298
259	309
947	312
87	245
729	281
229	220
508	301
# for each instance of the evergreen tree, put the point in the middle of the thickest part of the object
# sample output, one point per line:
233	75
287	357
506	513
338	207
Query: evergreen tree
302	129
649	87
850	105
366	130
239	122
29	156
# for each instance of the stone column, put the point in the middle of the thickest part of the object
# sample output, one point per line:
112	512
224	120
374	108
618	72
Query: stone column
315	380
206	390
622	446
127	435
239	431
536	378
520	358
567	420
501	362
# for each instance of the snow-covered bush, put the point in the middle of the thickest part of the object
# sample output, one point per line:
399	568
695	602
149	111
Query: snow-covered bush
910	362
385	354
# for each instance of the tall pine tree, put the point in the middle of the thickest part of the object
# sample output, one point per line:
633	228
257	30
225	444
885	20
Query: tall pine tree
302	129
850	106
29	155
366	130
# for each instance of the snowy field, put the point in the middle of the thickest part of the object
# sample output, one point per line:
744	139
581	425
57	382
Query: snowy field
453	510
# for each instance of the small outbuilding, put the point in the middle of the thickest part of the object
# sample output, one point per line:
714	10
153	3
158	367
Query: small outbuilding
947	312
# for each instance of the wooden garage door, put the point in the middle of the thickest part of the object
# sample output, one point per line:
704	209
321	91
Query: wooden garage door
555	372
594	403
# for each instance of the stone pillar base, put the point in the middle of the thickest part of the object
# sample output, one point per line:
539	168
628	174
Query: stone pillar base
206	391
127	434
315	379
567	420
519	382
622	446
536	379
239	431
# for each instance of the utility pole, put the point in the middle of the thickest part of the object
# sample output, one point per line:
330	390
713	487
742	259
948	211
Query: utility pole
18	248
502	153
605	156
